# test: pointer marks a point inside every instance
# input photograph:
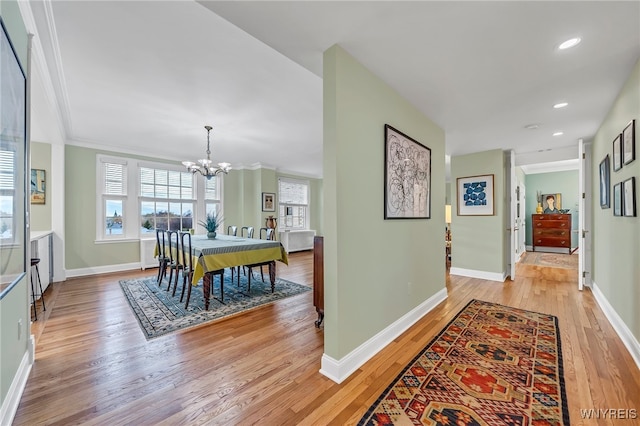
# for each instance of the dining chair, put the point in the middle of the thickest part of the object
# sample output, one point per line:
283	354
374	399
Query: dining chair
249	230
163	259
174	264
232	230
269	235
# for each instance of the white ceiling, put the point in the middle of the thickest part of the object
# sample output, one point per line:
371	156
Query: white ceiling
145	77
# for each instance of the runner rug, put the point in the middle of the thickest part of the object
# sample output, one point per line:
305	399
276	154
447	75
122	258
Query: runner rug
159	313
491	365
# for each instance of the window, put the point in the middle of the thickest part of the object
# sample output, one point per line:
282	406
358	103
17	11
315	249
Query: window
113	200
212	195
135	198
293	197
7	194
166	200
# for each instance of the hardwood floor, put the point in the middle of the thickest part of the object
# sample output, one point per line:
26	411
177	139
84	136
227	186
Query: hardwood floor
94	366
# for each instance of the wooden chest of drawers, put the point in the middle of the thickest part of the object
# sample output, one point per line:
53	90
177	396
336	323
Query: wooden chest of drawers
551	230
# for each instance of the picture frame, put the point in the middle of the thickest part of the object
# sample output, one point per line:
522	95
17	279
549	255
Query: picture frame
268	202
629	143
605	183
407	176
550	206
629	197
38	186
617	153
617	199
475	195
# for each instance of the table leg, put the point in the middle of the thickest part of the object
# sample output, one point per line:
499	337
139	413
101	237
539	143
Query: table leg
206	289
272	274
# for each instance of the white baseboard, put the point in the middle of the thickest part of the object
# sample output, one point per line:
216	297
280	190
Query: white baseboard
339	370
484	275
12	400
619	326
96	270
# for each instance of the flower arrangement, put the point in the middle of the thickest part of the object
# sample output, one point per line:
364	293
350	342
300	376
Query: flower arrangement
539	196
211	222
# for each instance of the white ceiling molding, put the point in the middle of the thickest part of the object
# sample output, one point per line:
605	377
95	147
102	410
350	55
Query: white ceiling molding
557	166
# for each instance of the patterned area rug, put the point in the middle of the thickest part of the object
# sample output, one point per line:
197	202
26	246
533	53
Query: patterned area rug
491	365
159	313
553	260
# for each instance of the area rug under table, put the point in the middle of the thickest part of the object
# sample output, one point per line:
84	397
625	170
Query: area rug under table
159	313
491	365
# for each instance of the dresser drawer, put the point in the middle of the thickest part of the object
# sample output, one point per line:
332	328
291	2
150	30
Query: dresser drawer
553	242
550	216
544	232
562	224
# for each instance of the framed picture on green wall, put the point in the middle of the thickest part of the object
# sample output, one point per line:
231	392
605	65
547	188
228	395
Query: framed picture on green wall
475	196
617	199
605	202
617	153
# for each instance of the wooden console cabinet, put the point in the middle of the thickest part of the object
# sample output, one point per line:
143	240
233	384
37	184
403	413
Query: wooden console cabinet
551	230
318	278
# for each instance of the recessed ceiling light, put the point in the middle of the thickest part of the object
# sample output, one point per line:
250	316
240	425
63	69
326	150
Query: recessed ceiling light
561	105
532	126
558	134
569	43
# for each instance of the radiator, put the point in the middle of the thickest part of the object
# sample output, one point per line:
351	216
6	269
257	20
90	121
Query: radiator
147	247
297	240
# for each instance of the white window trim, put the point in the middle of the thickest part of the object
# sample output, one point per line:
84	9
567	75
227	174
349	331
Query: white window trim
306	182
131	207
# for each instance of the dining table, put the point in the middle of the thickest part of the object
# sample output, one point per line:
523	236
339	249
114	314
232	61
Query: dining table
227	251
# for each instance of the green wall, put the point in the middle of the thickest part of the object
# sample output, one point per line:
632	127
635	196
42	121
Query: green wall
376	270
41	213
477	242
14	307
616	247
565	183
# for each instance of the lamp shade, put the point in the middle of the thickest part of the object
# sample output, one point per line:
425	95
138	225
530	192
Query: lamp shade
447	213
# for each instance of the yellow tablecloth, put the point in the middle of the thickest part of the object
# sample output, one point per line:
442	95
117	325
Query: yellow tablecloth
226	251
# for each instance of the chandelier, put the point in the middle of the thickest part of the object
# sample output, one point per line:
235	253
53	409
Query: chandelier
204	166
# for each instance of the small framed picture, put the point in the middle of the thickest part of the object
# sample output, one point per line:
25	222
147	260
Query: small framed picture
617	199
629	142
475	196
38	186
629	197
604	183
268	202
617	153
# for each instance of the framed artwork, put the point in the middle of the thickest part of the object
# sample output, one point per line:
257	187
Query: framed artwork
629	143
605	202
407	176
551	203
475	195
268	202
38	186
629	197
617	199
617	153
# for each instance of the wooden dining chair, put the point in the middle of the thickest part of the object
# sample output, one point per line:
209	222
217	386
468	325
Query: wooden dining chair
249	230
163	258
173	250
188	269
269	235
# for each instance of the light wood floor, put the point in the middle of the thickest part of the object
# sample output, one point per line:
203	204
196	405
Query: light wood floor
93	365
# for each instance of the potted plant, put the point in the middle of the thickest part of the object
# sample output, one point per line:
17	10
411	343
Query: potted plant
211	224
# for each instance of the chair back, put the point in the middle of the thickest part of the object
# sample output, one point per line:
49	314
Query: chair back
232	230
249	230
269	233
187	251
160	241
173	247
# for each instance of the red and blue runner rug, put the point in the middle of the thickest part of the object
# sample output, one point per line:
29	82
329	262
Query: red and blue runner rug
491	365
